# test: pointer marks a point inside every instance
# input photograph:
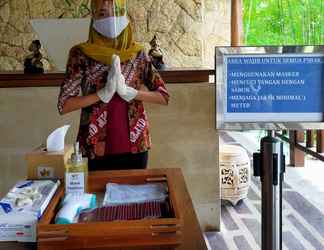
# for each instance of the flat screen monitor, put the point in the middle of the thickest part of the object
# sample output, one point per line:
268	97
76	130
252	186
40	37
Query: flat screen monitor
270	87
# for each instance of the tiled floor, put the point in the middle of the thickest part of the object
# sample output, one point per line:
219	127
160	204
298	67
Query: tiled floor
303	223
303	214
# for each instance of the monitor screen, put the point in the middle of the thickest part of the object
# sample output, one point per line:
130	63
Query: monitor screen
270	87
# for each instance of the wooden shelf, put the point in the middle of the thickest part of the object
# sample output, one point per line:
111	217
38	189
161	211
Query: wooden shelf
176	75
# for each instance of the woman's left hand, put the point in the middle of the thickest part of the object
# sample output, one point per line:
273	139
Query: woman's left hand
128	93
124	91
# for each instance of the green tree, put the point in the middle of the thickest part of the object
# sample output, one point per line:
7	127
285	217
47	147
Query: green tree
284	22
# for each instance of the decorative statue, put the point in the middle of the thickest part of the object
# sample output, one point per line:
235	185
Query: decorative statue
156	54
33	63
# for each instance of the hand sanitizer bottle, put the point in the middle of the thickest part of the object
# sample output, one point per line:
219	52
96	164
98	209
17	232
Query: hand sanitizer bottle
76	173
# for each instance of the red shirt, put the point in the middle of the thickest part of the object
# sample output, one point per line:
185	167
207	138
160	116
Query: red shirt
117	127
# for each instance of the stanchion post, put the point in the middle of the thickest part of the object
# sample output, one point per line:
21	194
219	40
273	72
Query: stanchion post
269	164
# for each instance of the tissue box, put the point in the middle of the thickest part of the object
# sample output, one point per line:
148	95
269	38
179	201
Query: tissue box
47	165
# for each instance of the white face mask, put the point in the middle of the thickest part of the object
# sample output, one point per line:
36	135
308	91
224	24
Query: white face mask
111	27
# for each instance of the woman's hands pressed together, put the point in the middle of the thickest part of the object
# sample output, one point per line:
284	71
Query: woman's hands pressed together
116	82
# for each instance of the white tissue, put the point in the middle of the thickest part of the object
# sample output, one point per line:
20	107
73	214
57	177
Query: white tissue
55	141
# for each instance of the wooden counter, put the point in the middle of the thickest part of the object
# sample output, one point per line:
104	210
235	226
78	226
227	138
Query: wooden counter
192	235
18	79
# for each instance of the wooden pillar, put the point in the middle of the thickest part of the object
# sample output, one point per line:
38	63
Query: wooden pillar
297	157
320	141
309	138
237	23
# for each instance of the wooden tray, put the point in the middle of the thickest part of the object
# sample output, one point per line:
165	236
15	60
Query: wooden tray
164	233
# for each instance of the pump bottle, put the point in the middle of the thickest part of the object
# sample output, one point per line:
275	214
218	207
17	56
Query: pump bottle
76	173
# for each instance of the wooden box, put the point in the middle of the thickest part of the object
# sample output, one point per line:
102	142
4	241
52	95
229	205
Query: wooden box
164	233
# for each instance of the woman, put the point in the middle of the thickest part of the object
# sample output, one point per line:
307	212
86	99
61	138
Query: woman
115	77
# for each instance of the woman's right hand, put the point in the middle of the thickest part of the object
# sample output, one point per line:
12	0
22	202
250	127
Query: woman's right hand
107	92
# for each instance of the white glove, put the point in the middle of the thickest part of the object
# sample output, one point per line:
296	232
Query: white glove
124	91
107	92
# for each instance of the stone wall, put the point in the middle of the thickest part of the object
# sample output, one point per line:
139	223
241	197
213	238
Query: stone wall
188	29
